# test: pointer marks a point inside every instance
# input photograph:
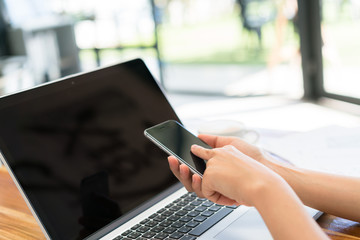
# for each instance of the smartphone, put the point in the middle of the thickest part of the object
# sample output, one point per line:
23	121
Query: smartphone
175	140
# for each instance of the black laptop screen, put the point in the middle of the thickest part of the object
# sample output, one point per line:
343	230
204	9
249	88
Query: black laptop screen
78	150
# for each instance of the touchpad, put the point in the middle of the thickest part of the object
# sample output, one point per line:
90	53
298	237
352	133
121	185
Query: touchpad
247	226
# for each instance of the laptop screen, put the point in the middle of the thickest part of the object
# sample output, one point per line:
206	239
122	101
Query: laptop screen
77	148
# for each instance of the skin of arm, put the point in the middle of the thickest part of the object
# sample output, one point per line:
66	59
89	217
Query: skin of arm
330	193
286	218
231	177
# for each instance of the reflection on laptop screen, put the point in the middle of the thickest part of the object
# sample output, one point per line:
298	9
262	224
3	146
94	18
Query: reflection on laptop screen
77	147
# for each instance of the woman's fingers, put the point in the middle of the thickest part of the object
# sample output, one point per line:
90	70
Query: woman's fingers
196	185
201	152
182	172
193	182
209	139
216	141
174	166
185	177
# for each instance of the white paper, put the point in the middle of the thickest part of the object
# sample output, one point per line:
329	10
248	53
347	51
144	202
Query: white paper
331	149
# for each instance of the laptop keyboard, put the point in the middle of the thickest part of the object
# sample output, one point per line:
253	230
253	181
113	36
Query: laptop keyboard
186	218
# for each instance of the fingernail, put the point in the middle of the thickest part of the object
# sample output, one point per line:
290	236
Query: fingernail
194	177
194	146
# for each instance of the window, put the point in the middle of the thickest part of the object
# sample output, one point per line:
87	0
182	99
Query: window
227	47
231	47
330	49
341	51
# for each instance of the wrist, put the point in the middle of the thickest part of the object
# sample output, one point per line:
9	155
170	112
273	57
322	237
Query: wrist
265	185
279	165
271	190
295	177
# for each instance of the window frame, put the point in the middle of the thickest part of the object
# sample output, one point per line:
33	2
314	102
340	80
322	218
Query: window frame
311	53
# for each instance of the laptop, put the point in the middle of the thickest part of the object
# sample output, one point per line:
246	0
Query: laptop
76	150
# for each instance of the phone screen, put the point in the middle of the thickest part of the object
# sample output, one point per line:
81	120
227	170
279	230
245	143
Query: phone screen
173	138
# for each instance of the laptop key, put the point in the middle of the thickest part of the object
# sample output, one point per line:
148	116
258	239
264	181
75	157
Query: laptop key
161	236
173	218
157	229
169	205
126	232
214	208
188	208
178	224
151	224
192	224
182	203
142	229
184	229
232	206
207	213
193	214
133	235
177	200
203	227
207	204
169	230
165	223
185	195
167	213
154	215
181	213
185	219
145	221
175	208
190	198
160	218
200	209
200	218
187	237
135	227
161	210
196	203
148	235
176	235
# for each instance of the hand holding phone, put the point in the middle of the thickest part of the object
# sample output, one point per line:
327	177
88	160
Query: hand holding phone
175	140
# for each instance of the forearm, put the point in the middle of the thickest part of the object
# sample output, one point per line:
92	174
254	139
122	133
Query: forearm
337	195
286	217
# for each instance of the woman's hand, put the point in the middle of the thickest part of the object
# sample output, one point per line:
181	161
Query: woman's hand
192	182
230	166
232	175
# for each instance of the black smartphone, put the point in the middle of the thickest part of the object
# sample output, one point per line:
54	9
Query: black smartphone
175	140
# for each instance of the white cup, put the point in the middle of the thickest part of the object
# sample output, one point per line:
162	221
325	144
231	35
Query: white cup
229	128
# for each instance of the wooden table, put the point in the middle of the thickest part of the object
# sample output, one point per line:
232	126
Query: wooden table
17	222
